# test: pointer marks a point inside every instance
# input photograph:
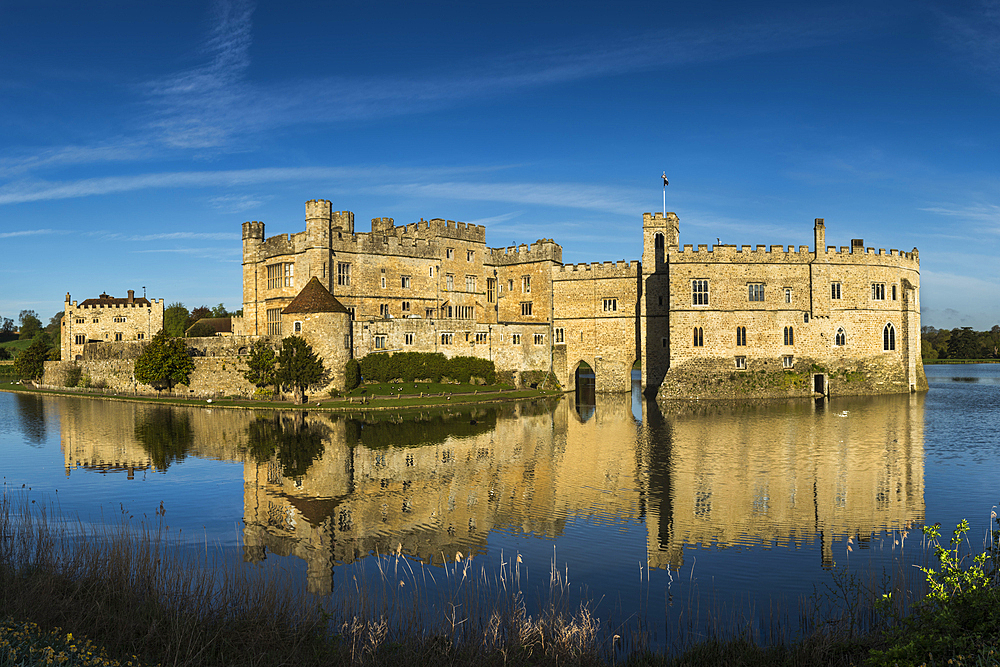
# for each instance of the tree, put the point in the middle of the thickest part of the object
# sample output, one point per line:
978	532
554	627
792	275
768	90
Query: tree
30	324
352	374
175	319
30	364
220	311
164	362
298	366
7	330
260	365
963	344
54	327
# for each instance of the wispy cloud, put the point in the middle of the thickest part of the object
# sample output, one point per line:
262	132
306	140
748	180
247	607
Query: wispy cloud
572	195
114	150
978	213
26	232
169	236
975	35
237	203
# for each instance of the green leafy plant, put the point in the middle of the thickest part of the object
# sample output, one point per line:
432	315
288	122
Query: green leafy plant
164	362
260	366
952	579
30	364
298	366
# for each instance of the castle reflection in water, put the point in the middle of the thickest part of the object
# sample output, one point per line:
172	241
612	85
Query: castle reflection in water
330	489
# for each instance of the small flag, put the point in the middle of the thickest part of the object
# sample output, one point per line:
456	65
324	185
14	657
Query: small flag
665	181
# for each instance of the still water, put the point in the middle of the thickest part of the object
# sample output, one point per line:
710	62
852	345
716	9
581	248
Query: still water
634	501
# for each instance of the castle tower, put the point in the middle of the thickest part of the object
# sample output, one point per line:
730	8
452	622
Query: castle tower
253	238
660	238
819	273
319	219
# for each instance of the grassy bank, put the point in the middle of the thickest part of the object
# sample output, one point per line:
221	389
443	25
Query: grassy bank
129	593
932	362
376	397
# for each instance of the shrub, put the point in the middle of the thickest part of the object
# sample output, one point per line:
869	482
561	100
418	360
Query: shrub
410	366
352	374
73	375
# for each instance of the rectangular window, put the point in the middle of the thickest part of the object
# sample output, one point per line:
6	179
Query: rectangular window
805	318
610	305
741	363
383	282
893	292
481	337
408	339
119	318
539	339
835	291
351	310
297	327
289	275
380	342
663	342
756	291
526	308
428	313
274	321
560	334
95	321
469	255
80	339
430	272
515	339
404	282
449	253
80	320
405	307
450	312
274	276
699	292
788	295
470	283
491	290
526	284
140	336
878	291
510	285
789	336
447	338
787	362
449	282
343	274
741	336
699	337
383	310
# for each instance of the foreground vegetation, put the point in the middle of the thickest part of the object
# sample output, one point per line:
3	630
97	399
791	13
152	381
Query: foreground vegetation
129	594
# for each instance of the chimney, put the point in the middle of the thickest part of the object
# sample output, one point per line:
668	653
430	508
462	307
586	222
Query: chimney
820	235
131	296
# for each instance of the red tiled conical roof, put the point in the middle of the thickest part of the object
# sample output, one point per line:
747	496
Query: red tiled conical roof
314	298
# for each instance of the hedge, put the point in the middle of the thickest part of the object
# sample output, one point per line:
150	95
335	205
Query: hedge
410	366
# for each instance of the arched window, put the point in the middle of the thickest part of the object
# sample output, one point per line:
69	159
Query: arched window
889	337
841	338
658	242
789	336
741	335
699	337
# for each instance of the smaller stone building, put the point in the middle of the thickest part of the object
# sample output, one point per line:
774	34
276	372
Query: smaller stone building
108	319
324	323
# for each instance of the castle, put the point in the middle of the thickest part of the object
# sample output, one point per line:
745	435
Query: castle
108	319
721	322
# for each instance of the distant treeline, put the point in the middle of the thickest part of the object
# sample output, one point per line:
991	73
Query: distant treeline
961	343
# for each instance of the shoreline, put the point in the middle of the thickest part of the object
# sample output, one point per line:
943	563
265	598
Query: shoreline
406	402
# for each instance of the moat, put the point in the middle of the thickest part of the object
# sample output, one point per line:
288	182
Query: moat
648	508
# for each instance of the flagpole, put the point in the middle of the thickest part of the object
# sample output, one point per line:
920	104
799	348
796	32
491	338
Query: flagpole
664	200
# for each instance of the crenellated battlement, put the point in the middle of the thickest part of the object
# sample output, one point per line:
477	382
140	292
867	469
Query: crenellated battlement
595	270
542	250
795	255
253	230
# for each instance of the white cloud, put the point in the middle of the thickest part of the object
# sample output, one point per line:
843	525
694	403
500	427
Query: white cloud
26	232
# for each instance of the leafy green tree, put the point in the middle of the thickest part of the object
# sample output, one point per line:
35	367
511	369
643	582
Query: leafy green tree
30	364
963	344
220	311
175	319
164	362
54	327
30	324
7	330
298	366
197	314
260	365
4	353
352	374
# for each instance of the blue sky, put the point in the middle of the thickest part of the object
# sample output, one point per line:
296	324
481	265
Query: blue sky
137	136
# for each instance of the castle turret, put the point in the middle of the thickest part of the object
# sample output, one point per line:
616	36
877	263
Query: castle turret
318	222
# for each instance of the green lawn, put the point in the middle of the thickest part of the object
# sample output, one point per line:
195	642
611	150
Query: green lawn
417	388
16	346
